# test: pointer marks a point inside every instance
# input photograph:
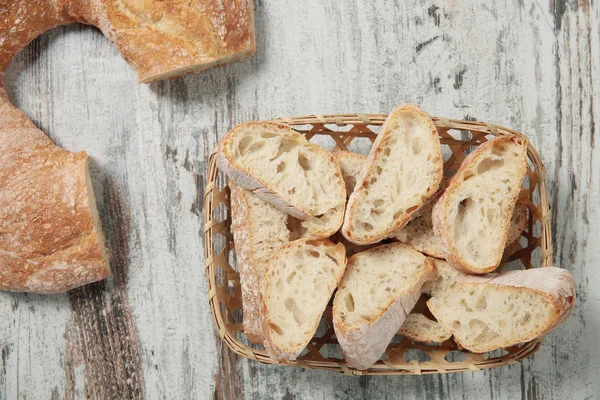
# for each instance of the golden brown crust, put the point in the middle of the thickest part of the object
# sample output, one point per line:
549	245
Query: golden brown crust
50	237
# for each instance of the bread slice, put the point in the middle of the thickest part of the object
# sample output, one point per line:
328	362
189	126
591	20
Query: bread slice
259	230
351	165
501	310
403	169
379	289
418	233
446	277
472	217
419	328
280	166
297	285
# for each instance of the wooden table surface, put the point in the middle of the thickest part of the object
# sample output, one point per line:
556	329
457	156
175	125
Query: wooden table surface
147	331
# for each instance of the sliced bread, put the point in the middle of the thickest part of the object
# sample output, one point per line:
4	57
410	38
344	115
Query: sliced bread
446	277
421	329
472	217
418	233
500	310
298	283
380	287
351	165
403	169
259	230
280	166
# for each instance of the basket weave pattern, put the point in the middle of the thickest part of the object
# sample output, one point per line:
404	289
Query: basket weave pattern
403	356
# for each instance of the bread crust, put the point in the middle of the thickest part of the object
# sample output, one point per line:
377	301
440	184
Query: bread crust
440	209
262	189
286	354
250	276
374	154
555	284
363	345
51	238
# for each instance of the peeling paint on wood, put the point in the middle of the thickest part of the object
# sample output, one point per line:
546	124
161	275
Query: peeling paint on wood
529	65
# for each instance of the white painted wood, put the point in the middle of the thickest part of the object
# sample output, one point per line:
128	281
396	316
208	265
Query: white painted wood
529	65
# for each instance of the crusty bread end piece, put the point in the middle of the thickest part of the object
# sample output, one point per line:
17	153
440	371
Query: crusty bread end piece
378	291
298	283
403	169
259	230
472	217
500	310
421	329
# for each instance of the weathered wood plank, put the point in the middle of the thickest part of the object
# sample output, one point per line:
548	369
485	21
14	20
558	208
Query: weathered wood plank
529	65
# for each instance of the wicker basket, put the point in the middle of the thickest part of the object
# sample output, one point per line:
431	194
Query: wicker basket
534	249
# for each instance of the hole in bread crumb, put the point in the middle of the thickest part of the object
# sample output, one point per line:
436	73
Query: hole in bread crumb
281	166
412	209
398	214
303	161
489	164
349	302
456	324
267	135
314	253
378	170
244	144
256	146
291	276
499	150
367	226
274	327
366	317
386	151
378	203
291	306
468	174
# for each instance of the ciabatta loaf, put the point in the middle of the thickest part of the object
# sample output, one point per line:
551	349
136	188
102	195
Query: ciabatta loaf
259	230
351	165
379	289
500	310
419	328
280	166
403	169
297	285
472	217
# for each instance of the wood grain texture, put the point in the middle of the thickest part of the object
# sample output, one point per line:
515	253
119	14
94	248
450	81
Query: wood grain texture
529	65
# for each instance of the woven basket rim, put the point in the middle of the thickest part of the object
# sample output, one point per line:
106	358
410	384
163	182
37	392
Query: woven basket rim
437	364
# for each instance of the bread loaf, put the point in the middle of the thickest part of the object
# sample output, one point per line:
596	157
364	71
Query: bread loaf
51	238
280	166
500	310
378	290
298	283
403	169
472	217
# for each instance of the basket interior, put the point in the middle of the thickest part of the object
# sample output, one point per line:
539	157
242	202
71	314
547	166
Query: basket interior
356	132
